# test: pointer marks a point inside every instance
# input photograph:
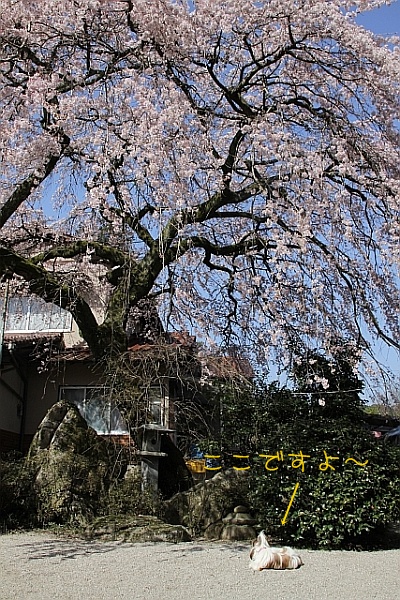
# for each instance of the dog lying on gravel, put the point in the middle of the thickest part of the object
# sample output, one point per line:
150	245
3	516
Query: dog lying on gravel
263	556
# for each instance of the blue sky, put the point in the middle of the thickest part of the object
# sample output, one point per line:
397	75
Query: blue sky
384	20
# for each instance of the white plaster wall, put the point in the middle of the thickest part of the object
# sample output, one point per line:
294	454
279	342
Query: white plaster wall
73	337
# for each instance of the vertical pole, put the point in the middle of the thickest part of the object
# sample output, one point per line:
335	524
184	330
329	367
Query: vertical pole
3	323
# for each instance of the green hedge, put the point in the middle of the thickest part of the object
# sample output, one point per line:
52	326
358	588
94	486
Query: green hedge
344	508
341	508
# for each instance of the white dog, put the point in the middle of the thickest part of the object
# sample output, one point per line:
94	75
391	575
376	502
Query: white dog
263	556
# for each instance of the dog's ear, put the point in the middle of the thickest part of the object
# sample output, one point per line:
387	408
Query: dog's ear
252	553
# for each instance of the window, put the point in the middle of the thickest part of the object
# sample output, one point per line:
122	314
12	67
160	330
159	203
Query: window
157	403
29	314
95	407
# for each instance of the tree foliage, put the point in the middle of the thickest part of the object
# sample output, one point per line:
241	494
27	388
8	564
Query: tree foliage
237	160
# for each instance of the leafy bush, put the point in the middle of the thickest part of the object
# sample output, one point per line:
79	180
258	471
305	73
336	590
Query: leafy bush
17	507
127	497
338	508
331	509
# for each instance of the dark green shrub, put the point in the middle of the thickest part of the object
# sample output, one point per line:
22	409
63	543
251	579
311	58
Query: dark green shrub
331	509
127	497
338	508
17	504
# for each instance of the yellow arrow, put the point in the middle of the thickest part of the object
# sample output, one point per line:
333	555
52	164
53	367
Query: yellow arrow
296	487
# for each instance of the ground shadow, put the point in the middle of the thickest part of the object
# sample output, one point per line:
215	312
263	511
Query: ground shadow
66	549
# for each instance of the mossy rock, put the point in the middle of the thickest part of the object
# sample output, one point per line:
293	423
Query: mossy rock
143	528
72	466
202	508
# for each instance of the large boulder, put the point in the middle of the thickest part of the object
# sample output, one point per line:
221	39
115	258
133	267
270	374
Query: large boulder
71	464
202	509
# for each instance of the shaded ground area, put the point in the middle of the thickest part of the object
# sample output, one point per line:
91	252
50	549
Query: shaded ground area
39	565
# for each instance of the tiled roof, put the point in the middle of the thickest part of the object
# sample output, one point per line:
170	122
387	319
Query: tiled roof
183	338
227	367
79	353
140	347
223	367
32	339
82	352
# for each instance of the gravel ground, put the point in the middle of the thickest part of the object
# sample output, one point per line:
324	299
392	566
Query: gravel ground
40	566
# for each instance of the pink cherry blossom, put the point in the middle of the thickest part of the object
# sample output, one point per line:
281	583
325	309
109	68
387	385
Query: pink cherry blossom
237	161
